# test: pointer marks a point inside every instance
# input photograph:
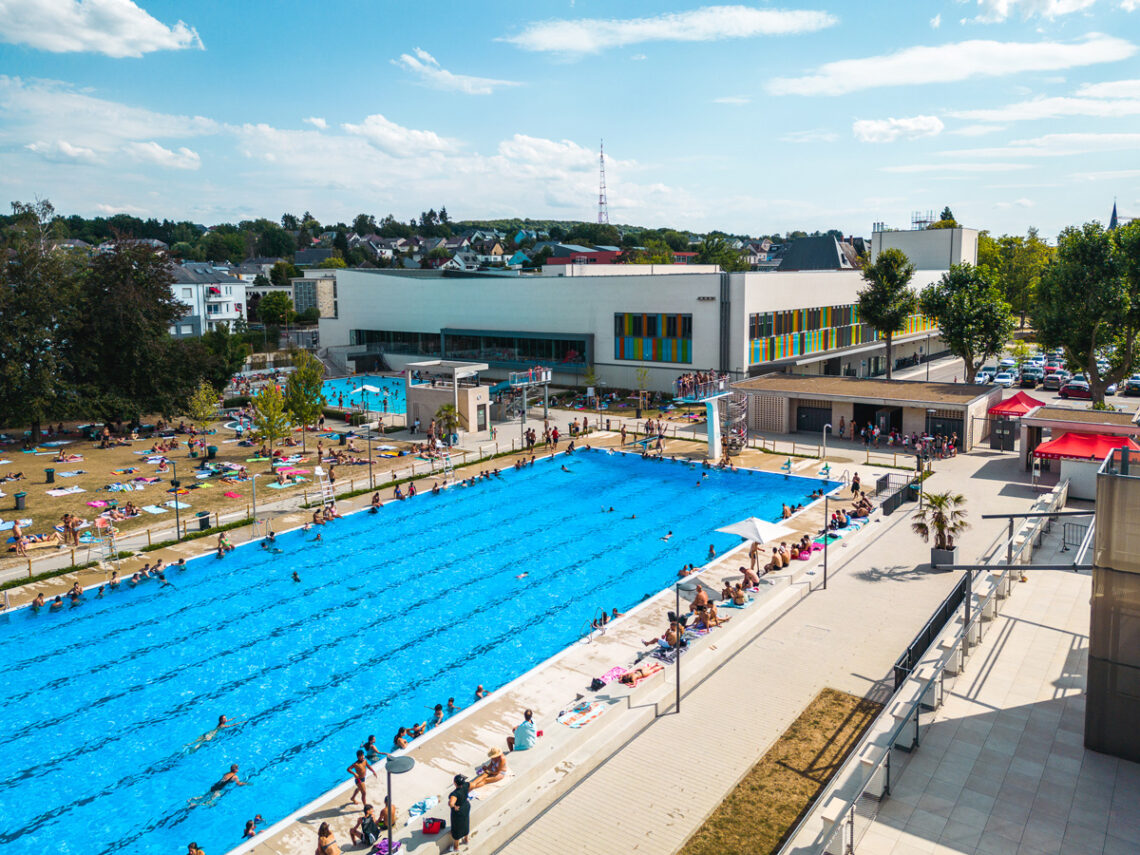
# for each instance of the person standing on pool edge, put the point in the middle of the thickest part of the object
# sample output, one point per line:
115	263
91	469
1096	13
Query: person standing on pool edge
358	770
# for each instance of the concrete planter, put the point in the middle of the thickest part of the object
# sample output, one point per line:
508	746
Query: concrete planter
943	557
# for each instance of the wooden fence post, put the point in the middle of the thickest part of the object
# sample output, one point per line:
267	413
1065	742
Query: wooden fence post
148	536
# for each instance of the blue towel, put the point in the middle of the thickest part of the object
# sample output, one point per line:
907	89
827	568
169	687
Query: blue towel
423	806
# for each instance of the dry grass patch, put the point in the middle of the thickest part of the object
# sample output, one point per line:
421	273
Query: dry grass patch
761	811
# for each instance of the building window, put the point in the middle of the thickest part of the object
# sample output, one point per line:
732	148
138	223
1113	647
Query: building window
653	337
187	329
187	293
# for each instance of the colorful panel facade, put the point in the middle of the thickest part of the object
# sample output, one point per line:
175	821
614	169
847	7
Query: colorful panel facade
801	332
653	337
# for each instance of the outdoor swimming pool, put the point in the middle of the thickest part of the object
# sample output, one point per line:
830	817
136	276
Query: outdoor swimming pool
348	390
395	612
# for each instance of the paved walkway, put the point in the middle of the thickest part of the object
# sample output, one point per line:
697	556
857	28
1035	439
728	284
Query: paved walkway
1003	769
847	637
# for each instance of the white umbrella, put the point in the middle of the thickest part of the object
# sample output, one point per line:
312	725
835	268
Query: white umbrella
758	530
366	388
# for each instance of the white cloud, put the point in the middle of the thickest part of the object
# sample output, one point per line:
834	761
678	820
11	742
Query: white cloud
1130	5
936	21
152	152
952	62
1111	89
976	130
1107	175
117	28
889	130
397	140
104	208
709	23
1016	203
638	57
737	100
1056	145
953	167
61	151
813	135
47	110
428	69
1051	108
316	122
995	11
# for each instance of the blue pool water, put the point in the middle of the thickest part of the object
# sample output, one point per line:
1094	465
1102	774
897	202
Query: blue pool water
395	612
343	387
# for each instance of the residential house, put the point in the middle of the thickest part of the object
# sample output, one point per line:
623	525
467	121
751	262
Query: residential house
822	252
312	257
211	296
519	259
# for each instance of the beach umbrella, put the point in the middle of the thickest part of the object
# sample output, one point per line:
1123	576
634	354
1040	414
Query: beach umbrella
375	390
758	530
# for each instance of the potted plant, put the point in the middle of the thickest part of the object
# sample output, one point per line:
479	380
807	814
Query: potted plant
943	516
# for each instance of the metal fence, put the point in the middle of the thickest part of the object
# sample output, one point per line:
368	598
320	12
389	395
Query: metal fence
906	663
850	803
893	489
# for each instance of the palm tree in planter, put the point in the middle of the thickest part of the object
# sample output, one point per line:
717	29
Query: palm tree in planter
944	517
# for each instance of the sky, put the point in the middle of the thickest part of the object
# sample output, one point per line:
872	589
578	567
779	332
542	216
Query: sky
754	118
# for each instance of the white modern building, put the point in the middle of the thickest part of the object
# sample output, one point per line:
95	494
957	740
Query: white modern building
211	297
621	319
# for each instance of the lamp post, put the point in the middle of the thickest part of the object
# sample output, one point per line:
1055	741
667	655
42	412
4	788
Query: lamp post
826	428
928	357
175	483
253	483
368	438
680	586
397	765
826	535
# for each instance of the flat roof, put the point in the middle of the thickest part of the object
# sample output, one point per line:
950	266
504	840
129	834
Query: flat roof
450	366
830	386
1088	417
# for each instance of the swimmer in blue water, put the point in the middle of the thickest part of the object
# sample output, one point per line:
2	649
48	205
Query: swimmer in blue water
209	735
218	787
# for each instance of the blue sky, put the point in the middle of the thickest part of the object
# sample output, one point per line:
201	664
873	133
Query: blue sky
756	117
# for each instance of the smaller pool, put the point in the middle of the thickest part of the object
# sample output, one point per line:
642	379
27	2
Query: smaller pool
349	392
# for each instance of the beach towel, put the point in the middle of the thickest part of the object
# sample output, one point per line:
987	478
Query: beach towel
421	807
230	494
154	509
582	714
256	459
147	480
55	443
667	656
126	471
174	503
73	473
66	491
98	503
2	462
614	673
729	604
179	491
8	526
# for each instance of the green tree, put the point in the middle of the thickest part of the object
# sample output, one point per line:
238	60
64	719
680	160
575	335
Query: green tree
202	406
888	300
126	362
334	263
304	391
447	420
364	224
38	308
290	223
974	318
714	249
275	308
281	272
1088	303
1017	263
947	214
229	349
271	418
654	251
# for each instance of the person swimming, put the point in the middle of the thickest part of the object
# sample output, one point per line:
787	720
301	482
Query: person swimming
296	578
208	736
218	787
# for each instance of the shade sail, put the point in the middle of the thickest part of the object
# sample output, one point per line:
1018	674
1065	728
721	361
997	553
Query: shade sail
1083	446
1016	405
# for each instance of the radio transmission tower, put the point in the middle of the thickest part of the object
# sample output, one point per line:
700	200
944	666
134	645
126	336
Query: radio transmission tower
603	205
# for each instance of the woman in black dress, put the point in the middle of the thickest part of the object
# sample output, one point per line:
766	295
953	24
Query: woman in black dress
460	813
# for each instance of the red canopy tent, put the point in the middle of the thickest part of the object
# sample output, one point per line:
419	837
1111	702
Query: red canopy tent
1017	405
1083	446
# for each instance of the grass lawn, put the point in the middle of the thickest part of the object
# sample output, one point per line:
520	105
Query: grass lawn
97	467
764	807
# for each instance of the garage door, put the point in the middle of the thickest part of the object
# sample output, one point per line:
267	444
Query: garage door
811	419
946	424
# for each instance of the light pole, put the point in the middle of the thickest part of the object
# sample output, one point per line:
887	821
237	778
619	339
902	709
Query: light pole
368	437
175	483
826	535
253	483
680	586
395	766
826	428
928	357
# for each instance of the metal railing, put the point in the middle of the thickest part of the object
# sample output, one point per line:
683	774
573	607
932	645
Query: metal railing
914	652
849	804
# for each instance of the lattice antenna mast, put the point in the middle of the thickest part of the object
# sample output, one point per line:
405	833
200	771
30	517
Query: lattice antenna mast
603	205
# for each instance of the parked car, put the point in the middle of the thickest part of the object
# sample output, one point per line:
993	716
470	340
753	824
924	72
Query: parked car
1110	389
1030	377
1075	389
1055	381
1132	385
1053	365
989	372
1004	379
1007	363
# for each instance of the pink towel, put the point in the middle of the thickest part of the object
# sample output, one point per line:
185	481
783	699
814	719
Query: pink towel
232	495
98	503
613	674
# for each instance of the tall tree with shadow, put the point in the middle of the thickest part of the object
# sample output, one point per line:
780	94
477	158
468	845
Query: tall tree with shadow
888	300
974	319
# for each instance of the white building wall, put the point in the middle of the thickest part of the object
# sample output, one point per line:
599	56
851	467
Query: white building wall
932	249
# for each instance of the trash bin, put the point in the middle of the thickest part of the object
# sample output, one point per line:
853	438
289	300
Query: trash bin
21	500
203	520
49	476
343	438
211	451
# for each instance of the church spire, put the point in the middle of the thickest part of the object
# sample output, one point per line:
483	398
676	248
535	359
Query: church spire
1112	222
